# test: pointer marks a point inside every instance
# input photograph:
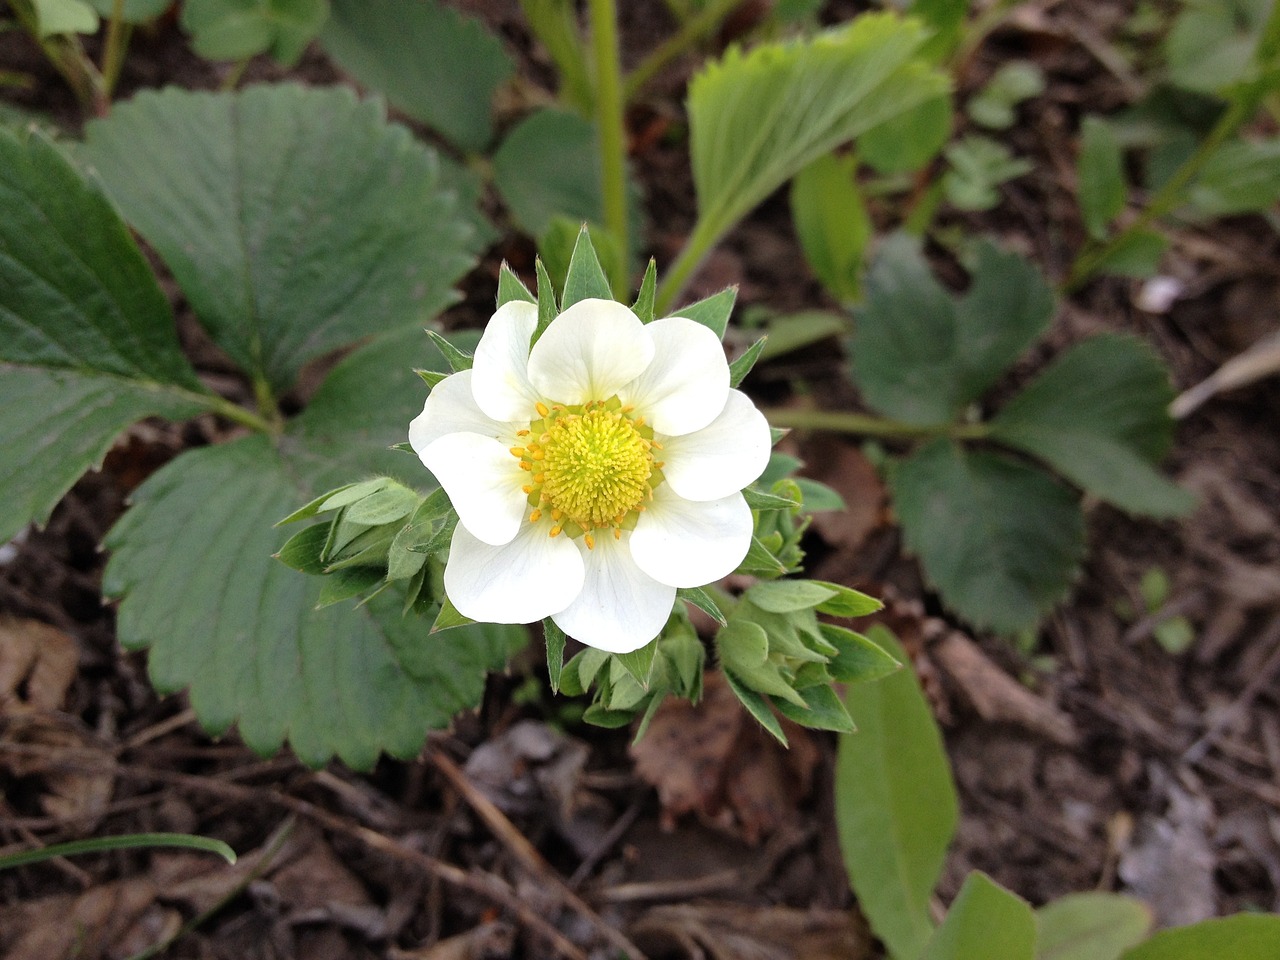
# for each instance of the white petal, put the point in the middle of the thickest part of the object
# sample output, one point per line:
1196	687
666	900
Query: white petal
684	543
500	376
620	608
483	481
451	408
685	386
531	577
721	458
590	352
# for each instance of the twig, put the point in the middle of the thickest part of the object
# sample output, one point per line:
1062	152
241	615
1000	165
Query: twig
1196	752
614	834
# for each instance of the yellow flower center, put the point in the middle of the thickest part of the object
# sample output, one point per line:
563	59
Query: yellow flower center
592	467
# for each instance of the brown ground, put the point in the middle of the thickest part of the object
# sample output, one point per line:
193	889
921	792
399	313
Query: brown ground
1124	768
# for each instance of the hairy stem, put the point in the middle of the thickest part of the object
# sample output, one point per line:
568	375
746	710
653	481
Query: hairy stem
690	32
613	141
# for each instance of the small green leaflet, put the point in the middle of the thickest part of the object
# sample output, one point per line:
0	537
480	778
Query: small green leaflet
239	29
985	921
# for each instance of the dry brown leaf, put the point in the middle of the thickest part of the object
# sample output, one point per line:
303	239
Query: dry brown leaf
37	665
98	922
843	468
740	932
489	941
714	760
77	770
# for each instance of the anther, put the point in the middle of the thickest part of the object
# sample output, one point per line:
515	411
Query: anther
516	451
523	433
526	465
617	533
527	488
590	541
542	409
555	531
535	516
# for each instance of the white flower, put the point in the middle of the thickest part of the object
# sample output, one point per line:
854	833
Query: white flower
593	474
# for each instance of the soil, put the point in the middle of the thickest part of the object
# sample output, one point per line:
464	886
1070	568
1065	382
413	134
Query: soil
1086	758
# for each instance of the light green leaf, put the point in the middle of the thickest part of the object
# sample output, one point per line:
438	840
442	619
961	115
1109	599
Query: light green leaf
784	596
64	16
847	602
978	166
857	659
1213	42
87	341
1136	255
1002	541
192	564
433	63
823	710
135	11
905	143
758	118
1099	415
295	220
993	106
832	223
1242	937
895	804
919	355
1090	926
791	331
1102	186
985	921
236	29
1238	177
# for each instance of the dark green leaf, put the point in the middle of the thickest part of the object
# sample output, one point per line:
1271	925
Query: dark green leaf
713	312
1136	254
740	367
1000	540
823	710
703	601
857	659
1090	926
1242	937
985	921
585	279
832	223
757	706
296	220
435	64
1102	186
818	497
599	716
548	166
1099	415
87	341
348	583
1239	177
895	804
239	29
555	641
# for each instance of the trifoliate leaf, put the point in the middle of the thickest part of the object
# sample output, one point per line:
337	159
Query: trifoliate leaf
237	29
921	356
1099	416
758	118
430	61
1090	926
985	920
295	220
1002	541
832	223
1102	185
895	804
87	340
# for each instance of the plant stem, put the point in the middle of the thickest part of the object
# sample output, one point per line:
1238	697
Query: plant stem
232	79
613	143
870	426
690	32
701	240
238	414
117	42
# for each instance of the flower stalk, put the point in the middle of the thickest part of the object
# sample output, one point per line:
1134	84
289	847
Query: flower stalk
870	426
613	143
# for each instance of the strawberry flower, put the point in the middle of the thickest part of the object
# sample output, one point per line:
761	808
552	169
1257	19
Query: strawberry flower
594	473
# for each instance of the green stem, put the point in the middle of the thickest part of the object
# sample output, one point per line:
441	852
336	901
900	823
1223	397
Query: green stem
701	240
117	42
613	144
232	79
871	426
123	842
690	32
238	414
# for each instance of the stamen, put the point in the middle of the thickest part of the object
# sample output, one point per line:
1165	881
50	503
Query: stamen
535	516
555	531
542	409
516	451
590	541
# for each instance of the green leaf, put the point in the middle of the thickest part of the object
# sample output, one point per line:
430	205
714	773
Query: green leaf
905	143
993	106
1000	540
713	312
919	355
87	341
756	119
1238	177
986	920
585	279
1137	254
296	220
832	223
1099	415
703	601
433	63
135	11
740	367
548	166
348	583
784	596
946	19
1242	937
555	641
511	287
1212	43
978	166
238	29
757	706
818	497
1090	926
895	804
64	16
791	331
1102	186
857	659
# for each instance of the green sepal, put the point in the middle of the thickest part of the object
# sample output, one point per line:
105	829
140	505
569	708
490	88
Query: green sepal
420	534
622	692
393	502
757	706
818	497
639	663
858	660
459	360
642	727
823	711
347	583
739	369
369	548
555	640
703	601
776	434
586	277
303	551
713	312
760	560
848	602
643	307
449	617
759	500
511	287
785	596
404	446
431	378
599	716
403	563
316	505
547	309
